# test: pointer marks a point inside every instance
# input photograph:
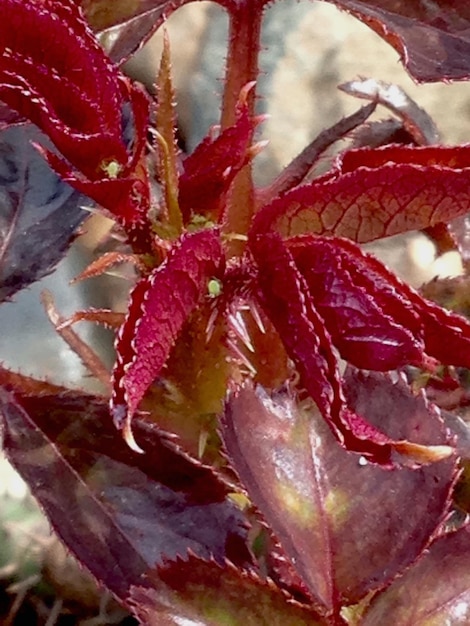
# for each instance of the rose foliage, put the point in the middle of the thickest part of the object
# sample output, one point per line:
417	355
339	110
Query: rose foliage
236	472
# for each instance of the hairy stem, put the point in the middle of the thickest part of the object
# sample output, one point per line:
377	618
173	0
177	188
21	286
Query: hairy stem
242	68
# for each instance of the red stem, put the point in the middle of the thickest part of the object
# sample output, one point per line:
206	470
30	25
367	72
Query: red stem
242	67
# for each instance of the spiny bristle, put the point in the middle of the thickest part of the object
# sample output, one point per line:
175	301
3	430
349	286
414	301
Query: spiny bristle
241	356
237	324
129	437
211	324
256	315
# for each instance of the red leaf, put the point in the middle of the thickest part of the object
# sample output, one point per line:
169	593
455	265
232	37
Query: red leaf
446	335
322	501
286	299
159	307
54	72
371	194
435	591
431	38
210	169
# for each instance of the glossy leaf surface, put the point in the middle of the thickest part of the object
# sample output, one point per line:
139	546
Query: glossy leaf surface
209	595
39	213
371	194
160	305
285	297
371	323
435	591
323	501
431	37
376	320
120	513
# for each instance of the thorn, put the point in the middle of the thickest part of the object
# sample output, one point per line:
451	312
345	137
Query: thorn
238	325
231	345
202	443
423	454
254	310
245	91
211	324
256	148
129	436
263	117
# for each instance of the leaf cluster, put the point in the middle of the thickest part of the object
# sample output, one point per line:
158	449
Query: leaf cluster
238	472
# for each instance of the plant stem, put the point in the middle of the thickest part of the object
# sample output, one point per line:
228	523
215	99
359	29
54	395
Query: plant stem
242	68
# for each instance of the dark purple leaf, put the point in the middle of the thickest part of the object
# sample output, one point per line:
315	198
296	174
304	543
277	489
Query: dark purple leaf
347	526
39	213
120	513
432	38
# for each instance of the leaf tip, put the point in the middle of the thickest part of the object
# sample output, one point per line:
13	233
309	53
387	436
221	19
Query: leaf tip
122	421
422	454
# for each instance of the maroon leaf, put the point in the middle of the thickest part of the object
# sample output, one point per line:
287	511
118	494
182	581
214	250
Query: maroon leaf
210	169
435	591
432	38
209	595
322	501
285	297
376	321
374	193
159	307
119	513
39	213
369	319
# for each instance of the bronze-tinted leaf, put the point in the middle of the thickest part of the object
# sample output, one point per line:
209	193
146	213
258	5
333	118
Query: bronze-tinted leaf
347	526
202	592
434	592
